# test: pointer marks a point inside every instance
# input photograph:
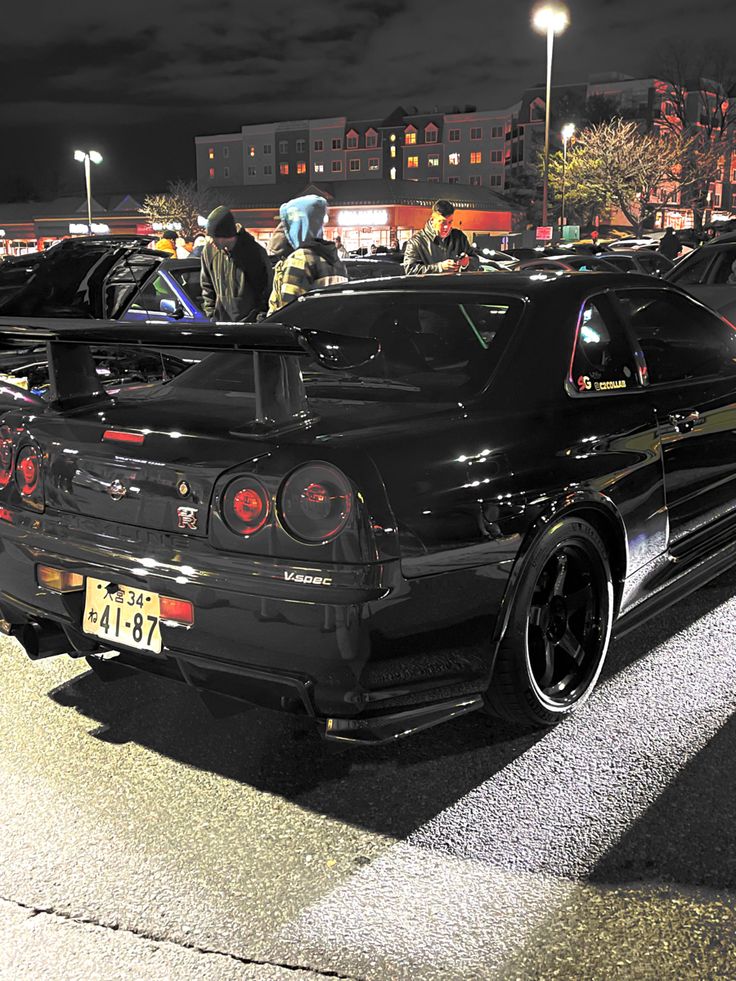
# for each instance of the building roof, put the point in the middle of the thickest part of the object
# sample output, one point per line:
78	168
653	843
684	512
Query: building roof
369	192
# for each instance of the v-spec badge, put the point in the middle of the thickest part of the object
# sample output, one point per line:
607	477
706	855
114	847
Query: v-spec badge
312	580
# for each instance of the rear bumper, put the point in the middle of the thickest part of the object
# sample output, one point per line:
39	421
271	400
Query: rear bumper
355	656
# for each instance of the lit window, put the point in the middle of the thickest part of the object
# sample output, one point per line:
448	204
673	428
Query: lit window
433	161
476	157
212	153
226	151
354	165
283	146
337	166
319	168
251	151
371	138
393	173
284	168
410	136
454	159
412	161
319	145
393	151
393	137
337	144
301	167
374	163
475	133
454	136
212	172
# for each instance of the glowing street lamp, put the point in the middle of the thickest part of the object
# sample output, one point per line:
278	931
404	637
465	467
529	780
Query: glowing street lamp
84	156
567	132
549	18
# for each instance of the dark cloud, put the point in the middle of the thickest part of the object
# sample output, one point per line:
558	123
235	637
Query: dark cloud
143	78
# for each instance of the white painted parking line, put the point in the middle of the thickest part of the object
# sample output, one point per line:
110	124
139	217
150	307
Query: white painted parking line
467	889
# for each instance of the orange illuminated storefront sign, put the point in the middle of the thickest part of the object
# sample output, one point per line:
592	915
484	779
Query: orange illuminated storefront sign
466	219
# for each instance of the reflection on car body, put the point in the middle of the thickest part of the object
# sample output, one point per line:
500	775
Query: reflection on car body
397	502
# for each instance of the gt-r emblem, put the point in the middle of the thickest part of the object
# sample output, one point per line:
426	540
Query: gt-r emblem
188	518
117	490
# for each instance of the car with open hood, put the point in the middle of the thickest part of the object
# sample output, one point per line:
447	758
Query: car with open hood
392	503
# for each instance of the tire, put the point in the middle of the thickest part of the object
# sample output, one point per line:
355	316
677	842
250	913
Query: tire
559	628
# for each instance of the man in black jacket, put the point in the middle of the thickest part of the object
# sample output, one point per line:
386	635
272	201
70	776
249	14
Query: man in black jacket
236	274
439	248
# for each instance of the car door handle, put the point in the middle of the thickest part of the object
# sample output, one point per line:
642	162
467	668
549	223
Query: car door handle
684	422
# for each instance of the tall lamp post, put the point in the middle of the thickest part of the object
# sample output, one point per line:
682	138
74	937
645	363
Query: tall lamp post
85	156
566	134
549	18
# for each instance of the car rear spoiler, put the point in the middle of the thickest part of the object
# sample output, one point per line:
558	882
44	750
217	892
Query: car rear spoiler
281	400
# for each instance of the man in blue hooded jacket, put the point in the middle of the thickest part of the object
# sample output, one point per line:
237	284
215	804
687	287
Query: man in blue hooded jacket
314	262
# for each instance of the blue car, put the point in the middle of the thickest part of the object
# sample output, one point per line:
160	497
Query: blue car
102	278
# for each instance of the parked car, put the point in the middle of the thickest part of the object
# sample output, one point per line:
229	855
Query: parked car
645	261
566	263
709	273
371	267
101	278
394	514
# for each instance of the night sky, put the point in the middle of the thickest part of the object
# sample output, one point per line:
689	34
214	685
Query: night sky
138	79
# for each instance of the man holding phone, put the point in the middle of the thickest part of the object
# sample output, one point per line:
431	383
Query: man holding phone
439	248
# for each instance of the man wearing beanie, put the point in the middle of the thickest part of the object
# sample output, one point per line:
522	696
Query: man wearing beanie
313	262
236	273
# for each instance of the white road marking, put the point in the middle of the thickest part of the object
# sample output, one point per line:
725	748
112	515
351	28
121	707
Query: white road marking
466	890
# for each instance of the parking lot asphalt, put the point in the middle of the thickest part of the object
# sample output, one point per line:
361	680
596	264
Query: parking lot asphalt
141	837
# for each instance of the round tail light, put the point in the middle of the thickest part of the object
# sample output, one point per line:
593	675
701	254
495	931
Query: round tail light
6	455
245	506
315	503
28	470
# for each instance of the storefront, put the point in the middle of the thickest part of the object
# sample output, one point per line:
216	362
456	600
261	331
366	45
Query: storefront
377	213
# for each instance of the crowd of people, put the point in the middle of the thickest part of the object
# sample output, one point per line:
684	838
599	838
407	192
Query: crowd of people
243	282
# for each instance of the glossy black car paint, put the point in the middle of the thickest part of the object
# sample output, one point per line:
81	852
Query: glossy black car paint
398	625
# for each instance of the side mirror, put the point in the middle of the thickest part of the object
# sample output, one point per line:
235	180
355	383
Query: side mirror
172	308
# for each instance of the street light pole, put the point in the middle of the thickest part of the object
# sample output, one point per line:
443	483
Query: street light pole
550	19
87	157
567	132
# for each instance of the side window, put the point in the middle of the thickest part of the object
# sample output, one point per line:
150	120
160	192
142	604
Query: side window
603	360
680	340
695	270
150	298
723	272
190	283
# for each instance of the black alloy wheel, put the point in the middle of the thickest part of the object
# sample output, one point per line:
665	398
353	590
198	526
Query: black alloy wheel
559	628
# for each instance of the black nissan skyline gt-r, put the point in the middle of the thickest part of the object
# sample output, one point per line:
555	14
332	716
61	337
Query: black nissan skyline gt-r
392	504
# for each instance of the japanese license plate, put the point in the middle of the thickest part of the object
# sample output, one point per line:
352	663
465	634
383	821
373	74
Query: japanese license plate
123	615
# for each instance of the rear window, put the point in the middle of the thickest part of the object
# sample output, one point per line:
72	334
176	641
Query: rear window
430	348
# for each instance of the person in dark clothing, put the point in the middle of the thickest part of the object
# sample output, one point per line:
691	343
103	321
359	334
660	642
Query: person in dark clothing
236	274
669	246
439	248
